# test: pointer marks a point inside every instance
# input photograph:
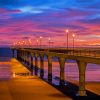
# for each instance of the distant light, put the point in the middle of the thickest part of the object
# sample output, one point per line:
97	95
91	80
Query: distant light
37	40
66	31
41	37
49	38
73	35
29	39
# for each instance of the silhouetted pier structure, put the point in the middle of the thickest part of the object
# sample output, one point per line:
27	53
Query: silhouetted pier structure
82	56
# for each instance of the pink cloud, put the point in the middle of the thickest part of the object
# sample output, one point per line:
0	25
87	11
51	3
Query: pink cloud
53	25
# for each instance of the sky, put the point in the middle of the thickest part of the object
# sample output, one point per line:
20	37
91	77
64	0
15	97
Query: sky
29	19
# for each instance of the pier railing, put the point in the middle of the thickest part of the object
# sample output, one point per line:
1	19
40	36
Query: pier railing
87	52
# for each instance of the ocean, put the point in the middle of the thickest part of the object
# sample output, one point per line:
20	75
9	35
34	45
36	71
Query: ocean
5	54
71	69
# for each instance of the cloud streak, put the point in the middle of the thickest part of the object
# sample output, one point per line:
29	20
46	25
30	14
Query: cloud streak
24	19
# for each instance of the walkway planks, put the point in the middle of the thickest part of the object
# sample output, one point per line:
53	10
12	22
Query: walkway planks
23	86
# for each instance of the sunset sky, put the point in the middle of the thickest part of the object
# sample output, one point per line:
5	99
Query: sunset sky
29	19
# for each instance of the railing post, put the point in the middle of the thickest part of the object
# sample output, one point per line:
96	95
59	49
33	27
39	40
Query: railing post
25	58
28	59
41	66
18	54
36	64
21	55
81	67
31	63
62	66
49	68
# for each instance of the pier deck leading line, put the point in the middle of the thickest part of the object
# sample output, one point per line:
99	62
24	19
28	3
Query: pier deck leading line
81	56
23	86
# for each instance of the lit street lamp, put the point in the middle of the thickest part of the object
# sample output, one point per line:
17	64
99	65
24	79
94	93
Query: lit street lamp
73	42
14	44
67	38
19	44
23	42
29	42
41	41
49	40
37	41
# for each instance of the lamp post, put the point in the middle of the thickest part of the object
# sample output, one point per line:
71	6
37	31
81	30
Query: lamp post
23	42
37	41
41	41
19	44
49	40
67	38
29	42
14	44
73	42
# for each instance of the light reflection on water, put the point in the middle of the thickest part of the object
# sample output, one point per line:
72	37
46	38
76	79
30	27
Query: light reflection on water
5	68
71	71
5	71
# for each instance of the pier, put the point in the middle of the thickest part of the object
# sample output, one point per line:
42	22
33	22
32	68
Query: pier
81	56
49	49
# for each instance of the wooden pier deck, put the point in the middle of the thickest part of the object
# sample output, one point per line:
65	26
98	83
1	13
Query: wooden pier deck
22	86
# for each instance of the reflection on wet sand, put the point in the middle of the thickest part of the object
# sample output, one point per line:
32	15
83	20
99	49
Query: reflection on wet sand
5	71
